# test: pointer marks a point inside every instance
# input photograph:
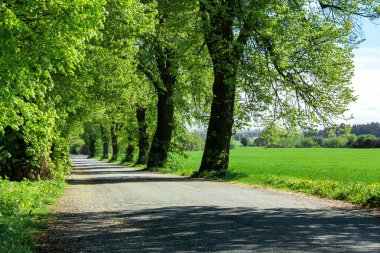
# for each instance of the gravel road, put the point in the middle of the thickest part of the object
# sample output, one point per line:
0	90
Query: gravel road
109	208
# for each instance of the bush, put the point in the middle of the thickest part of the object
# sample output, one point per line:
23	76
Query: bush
20	159
246	141
351	139
260	142
309	143
191	142
335	142
365	141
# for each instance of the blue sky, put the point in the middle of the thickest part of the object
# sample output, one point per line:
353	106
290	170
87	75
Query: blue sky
366	81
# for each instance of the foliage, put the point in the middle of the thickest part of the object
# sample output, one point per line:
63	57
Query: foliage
308	143
365	141
335	142
246	141
39	41
233	144
191	141
370	128
23	206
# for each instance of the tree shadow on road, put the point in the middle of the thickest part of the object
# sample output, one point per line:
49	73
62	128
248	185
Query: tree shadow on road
212	229
127	179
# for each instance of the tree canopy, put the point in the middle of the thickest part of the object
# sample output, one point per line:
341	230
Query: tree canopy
137	73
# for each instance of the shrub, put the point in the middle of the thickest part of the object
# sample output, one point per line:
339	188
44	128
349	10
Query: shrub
308	143
246	141
335	142
365	141
259	142
191	141
351	139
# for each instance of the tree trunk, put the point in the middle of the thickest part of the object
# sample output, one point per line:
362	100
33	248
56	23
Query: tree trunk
219	132
161	141
225	53
159	150
105	142
92	147
115	148
129	154
143	135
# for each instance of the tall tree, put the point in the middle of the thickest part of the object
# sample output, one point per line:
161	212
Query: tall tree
293	56
164	59
30	54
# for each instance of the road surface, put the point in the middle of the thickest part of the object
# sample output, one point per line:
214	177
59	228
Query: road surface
110	208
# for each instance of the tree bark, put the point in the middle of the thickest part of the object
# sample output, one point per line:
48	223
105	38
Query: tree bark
143	135
225	52
92	147
115	148
129	154
105	142
219	132
165	108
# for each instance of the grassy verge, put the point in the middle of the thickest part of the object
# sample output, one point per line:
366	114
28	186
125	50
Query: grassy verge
24	207
345	174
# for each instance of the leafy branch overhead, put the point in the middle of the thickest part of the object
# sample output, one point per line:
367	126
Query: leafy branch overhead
149	68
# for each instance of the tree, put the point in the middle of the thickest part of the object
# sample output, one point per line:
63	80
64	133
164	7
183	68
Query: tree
90	135
143	135
291	57
245	141
164	58
31	55
115	128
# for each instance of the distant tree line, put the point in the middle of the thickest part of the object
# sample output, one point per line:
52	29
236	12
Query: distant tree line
340	136
369	128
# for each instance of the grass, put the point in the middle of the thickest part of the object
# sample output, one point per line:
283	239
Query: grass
24	208
345	174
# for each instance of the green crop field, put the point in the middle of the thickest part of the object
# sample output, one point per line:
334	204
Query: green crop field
347	174
344	165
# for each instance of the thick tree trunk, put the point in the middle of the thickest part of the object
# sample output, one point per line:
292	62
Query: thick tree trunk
161	141
92	147
143	135
159	150
217	148
225	52
105	142
129	154
115	148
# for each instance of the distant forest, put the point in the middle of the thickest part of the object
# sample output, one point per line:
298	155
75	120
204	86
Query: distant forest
357	129
371	128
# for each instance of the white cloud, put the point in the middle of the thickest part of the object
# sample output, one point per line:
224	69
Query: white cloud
366	84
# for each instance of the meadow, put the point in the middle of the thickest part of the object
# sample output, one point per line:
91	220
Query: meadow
337	173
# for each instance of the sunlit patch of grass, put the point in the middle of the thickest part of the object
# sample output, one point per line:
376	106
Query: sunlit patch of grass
24	207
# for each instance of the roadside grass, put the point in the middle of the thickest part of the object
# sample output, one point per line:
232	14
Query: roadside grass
24	210
345	174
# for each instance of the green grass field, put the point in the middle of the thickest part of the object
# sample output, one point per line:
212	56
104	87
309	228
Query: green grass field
343	165
346	174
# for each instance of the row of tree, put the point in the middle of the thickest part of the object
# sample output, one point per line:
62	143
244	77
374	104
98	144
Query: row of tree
147	68
372	128
339	136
